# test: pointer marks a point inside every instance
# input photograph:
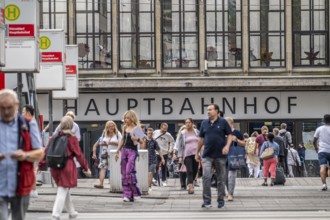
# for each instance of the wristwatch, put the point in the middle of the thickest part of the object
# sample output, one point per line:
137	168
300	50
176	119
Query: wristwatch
27	157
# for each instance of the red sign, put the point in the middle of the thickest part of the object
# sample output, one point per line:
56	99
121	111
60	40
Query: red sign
20	30
2	16
71	69
2	80
51	57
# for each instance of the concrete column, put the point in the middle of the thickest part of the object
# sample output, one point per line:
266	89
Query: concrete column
245	36
71	22
288	36
158	36
202	39
115	39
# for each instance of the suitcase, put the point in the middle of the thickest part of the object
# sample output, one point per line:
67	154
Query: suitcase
280	177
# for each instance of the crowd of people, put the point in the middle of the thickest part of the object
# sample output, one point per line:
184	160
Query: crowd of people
217	149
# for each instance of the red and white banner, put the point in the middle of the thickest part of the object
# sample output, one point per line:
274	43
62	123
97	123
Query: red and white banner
51	57
2	80
71	69
20	30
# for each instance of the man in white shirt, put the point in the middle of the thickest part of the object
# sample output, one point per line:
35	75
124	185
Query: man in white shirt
166	145
322	147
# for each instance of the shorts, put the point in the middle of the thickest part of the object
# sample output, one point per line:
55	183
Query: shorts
152	168
324	158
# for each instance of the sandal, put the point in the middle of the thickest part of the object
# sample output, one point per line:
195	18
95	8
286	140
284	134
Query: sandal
99	186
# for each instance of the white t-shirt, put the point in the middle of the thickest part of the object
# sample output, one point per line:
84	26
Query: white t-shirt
112	139
323	135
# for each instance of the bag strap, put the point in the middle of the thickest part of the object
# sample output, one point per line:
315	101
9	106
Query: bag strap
160	136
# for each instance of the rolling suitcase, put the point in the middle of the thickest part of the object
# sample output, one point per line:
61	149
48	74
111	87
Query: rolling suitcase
280	177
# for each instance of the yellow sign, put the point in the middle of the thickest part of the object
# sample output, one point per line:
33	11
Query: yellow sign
44	43
12	12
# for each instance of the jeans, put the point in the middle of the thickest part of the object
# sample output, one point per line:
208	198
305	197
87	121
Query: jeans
231	181
220	167
163	167
254	169
192	168
63	199
19	205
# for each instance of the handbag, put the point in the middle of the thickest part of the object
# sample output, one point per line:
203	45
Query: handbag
236	157
268	153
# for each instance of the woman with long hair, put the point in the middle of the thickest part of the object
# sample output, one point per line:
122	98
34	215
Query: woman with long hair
66	177
187	145
128	147
108	141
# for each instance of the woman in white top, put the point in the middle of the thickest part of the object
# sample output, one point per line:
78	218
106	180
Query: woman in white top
108	141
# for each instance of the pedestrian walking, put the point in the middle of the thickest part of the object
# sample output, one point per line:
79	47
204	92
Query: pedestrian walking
186	145
181	168
322	147
293	161
271	162
152	147
66	177
15	156
108	141
166	144
302	152
28	113
252	158
238	142
216	136
128	147
287	140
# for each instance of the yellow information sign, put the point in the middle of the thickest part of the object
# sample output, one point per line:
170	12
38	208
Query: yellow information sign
12	12
44	43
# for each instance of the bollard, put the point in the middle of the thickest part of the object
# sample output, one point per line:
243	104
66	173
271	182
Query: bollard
141	172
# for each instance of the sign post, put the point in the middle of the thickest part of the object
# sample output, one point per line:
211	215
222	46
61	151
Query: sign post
2	33
21	36
52	68
71	79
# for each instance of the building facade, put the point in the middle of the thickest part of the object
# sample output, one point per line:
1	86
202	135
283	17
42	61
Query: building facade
263	61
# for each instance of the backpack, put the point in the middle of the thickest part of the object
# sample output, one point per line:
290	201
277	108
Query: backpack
25	174
285	139
251	146
56	155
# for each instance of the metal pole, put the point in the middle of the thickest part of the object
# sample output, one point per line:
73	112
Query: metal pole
50	117
19	91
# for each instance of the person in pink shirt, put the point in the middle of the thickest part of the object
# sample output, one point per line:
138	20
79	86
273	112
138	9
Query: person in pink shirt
186	144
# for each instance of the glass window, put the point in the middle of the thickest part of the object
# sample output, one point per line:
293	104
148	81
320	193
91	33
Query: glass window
137	34
267	33
180	33
223	33
93	33
54	15
310	23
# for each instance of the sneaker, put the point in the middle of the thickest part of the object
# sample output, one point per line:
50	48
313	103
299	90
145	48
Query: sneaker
221	204
164	184
196	183
272	184
324	187
230	198
125	199
264	184
73	215
137	197
206	205
39	183
150	189
34	194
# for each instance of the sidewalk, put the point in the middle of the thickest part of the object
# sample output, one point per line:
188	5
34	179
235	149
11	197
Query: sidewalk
298	194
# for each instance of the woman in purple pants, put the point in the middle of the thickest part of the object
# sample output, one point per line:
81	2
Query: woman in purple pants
129	151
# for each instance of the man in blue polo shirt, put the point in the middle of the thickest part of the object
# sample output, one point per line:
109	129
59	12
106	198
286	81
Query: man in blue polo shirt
215	135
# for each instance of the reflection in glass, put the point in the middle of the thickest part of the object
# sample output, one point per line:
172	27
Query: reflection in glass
310	32
180	33
136	34
93	26
267	33
223	33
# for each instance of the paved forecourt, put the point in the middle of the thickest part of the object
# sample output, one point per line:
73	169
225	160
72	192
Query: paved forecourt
299	194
